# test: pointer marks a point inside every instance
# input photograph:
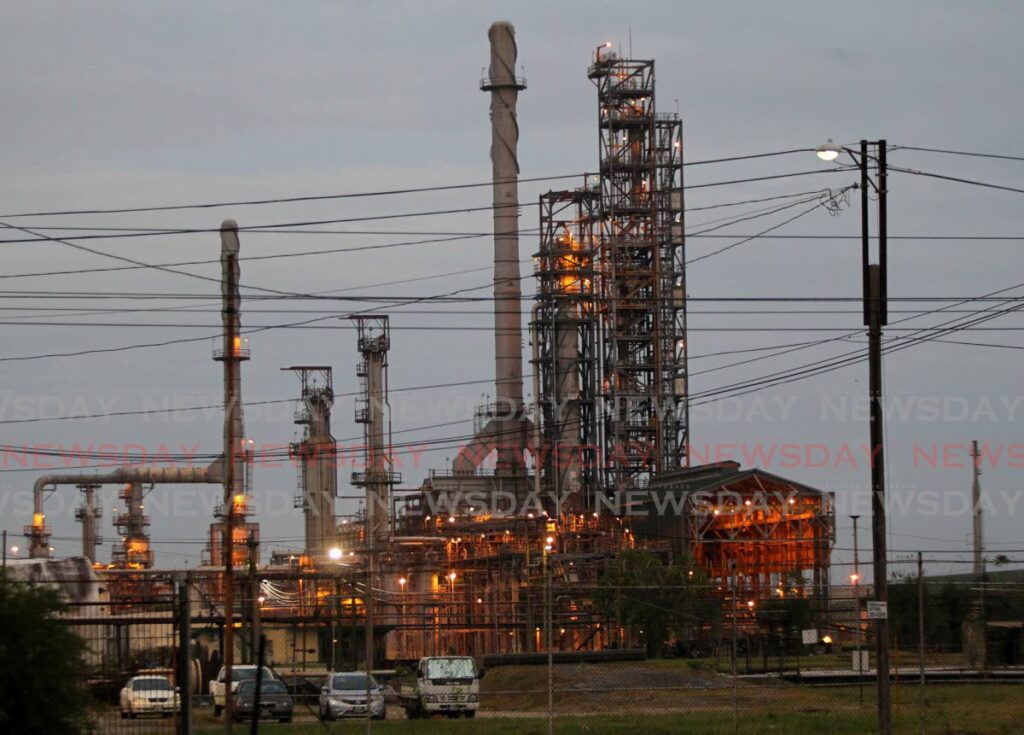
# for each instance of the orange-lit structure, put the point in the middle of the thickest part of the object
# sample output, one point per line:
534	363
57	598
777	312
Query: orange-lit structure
133	550
764	532
244	532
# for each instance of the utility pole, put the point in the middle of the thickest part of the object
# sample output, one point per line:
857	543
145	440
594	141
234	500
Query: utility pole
979	543
874	278
876	316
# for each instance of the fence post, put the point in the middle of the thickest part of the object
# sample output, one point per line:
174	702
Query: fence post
920	631
184	674
735	673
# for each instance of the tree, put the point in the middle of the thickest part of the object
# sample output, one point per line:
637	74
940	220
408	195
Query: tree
786	616
41	665
652	599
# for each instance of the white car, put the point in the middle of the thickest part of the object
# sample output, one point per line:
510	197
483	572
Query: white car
344	695
149	695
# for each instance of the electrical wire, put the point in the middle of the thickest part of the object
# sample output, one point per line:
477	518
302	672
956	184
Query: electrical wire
368	194
956	179
955	153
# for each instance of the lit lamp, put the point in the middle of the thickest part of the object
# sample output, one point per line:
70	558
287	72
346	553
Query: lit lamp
828	151
334	554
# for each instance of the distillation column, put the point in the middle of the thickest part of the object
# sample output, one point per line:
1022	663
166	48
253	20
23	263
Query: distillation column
371	410
564	326
316	454
88	513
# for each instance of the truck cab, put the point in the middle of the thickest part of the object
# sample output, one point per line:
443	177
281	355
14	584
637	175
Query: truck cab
448	685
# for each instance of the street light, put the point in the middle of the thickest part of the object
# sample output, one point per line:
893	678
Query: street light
875	290
828	151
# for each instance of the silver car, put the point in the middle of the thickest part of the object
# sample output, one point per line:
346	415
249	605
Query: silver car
344	695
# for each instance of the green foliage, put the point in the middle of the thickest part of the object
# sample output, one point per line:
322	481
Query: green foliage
946	607
786	615
652	599
41	665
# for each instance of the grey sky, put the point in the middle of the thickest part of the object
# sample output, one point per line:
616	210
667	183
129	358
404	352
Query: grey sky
122	104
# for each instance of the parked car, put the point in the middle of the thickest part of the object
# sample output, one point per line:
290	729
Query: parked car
344	695
274	701
149	695
238	675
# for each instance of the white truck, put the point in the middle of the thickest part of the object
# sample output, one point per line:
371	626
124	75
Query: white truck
238	673
448	685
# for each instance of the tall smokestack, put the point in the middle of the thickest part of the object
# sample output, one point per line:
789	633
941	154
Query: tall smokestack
504	88
232	354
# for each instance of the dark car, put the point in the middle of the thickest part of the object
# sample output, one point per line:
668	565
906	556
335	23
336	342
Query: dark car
274	701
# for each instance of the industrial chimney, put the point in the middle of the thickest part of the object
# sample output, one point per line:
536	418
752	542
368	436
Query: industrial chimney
507	428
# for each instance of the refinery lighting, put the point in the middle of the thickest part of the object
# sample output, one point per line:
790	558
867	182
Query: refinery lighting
828	151
334	554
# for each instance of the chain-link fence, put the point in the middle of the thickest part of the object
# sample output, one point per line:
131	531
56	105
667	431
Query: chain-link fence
576	659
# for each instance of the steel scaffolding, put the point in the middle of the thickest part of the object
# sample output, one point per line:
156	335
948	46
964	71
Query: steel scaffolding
564	326
643	288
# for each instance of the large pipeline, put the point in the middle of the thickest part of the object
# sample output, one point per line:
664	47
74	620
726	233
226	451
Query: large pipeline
38	545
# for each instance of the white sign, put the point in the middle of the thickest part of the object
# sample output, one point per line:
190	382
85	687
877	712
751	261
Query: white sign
877	610
809	636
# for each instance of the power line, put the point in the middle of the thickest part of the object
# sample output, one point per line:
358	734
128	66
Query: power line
785	222
330	251
955	153
368	194
271	256
957	179
831	364
284	200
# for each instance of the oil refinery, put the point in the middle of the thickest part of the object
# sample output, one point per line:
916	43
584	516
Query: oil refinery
483	554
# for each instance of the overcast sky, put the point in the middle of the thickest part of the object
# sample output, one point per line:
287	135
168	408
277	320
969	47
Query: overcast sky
134	104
